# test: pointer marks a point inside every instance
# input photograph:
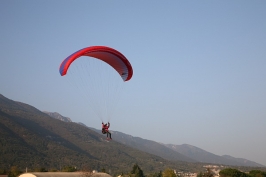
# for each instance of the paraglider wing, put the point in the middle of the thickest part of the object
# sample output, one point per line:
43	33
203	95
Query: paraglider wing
111	56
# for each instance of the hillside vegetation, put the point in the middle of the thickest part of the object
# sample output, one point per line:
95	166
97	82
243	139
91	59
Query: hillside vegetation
31	138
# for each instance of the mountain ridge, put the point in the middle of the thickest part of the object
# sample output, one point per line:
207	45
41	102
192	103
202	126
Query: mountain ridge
29	135
182	152
41	139
206	157
147	146
58	116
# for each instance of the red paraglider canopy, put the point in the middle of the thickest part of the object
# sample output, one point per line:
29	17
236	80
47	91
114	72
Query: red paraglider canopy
111	56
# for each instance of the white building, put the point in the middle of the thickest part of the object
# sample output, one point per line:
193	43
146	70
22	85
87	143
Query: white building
64	174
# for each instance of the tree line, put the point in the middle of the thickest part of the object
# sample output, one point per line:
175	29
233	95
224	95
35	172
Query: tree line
135	172
231	172
138	172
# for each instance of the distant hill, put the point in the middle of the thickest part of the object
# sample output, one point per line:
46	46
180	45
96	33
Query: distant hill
148	146
58	116
185	152
30	138
33	139
245	162
206	157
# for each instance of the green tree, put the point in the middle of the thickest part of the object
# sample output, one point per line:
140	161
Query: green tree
14	172
53	170
42	169
230	172
156	174
257	173
169	173
134	168
103	170
139	173
3	172
69	169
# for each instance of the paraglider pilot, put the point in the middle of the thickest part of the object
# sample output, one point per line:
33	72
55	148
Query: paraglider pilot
105	130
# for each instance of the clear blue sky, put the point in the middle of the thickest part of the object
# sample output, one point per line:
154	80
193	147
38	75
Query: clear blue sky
199	66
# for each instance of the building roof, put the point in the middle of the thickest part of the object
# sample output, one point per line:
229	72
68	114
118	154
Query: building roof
64	174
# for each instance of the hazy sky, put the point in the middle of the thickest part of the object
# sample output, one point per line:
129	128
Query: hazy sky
199	67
